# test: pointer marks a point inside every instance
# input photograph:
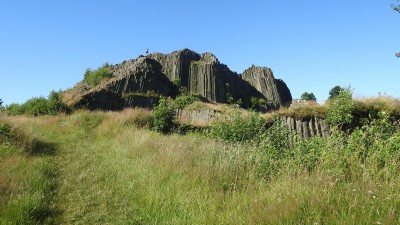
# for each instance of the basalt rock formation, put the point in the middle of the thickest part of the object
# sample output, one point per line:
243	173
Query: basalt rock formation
148	77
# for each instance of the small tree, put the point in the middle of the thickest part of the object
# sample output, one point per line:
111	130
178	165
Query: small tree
397	9
94	77
308	96
55	104
341	108
163	116
334	92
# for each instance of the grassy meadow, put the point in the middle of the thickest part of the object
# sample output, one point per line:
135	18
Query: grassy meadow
109	168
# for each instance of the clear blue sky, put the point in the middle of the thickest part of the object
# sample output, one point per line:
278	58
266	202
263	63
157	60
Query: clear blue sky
311	45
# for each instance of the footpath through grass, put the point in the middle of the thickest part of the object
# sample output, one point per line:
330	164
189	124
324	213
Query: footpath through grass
104	170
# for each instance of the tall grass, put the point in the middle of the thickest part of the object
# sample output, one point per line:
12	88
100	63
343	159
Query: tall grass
110	171
26	179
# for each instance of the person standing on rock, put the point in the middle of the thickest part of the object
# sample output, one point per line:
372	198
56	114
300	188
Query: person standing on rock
147	51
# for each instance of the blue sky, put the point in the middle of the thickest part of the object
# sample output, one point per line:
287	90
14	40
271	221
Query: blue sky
311	45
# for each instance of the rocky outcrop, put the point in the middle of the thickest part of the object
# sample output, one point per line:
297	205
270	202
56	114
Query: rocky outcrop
204	75
202	116
307	127
201	74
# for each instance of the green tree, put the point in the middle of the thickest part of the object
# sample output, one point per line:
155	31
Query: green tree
55	104
308	96
334	92
163	116
36	106
341	108
94	77
15	109
397	9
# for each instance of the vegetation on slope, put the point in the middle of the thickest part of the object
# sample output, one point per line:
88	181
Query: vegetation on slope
38	106
27	178
94	77
111	171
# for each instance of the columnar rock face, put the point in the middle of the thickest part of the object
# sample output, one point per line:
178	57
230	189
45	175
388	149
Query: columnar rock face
263	80
204	75
308	127
200	74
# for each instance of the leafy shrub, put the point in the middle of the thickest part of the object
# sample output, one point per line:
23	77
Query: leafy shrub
183	100
15	109
38	106
237	127
5	133
163	116
256	103
55	104
94	77
341	108
308	97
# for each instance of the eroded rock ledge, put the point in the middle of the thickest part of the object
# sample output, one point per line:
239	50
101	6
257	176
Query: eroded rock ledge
201	74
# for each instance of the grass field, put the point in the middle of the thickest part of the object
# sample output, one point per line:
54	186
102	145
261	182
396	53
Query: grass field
98	168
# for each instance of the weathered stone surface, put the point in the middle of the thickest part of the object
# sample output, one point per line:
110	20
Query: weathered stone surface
197	116
275	91
200	74
141	75
140	102
308	127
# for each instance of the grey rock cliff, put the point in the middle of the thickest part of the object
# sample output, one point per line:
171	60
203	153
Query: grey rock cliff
200	74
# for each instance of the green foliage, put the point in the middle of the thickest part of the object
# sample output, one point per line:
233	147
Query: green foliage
5	133
229	98
341	108
177	82
334	92
15	109
183	100
26	180
38	106
237	127
188	179
163	116
55	104
308	96
396	7
94	77
255	103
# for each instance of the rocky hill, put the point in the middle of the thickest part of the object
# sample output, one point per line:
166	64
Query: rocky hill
139	82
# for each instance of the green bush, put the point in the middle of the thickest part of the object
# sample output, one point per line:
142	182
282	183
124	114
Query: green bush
183	100
5	133
38	106
15	109
94	77
256	103
163	116
341	108
237	127
55	104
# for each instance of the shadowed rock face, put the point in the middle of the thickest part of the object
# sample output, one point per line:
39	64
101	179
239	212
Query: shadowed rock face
201	74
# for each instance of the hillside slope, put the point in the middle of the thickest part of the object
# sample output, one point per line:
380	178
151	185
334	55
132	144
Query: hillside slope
110	172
